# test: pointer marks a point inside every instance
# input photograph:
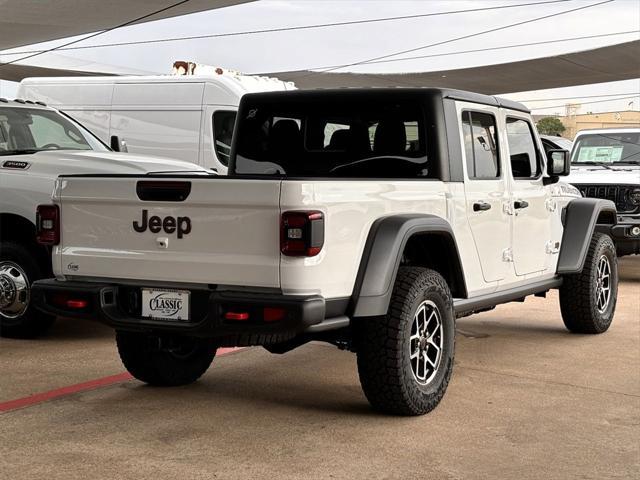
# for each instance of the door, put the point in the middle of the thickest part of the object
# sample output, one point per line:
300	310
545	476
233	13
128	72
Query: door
530	202
486	190
158	119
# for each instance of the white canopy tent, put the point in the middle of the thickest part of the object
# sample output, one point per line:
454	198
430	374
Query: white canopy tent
30	21
605	64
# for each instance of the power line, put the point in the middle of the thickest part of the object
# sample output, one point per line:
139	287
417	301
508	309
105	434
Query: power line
283	29
93	35
487	49
573	98
463	37
588	103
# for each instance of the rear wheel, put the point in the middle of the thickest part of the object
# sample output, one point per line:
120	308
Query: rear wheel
164	361
405	358
588	299
18	270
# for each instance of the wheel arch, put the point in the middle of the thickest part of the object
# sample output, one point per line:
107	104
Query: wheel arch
15	228
406	239
580	219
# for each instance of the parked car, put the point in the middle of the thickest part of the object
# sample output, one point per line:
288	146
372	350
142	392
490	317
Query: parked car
554	142
605	163
188	118
37	144
366	218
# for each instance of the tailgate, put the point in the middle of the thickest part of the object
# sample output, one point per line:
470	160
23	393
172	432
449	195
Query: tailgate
225	232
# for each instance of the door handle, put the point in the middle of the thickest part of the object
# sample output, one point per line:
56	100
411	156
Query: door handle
518	204
481	206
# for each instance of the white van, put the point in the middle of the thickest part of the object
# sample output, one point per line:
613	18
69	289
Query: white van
182	117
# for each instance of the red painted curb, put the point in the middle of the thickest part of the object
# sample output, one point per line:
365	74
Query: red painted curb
78	387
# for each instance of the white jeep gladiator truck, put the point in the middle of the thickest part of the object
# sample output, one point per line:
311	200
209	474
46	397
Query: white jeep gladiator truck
37	144
605	163
369	219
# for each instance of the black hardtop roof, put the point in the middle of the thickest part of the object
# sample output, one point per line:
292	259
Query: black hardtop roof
321	94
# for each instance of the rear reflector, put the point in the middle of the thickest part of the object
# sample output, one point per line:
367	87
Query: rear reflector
302	233
236	316
64	301
272	314
48	224
77	304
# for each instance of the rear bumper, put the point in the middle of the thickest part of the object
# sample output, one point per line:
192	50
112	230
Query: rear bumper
119	307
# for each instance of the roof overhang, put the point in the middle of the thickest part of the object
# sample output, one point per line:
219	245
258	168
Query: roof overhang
605	64
25	22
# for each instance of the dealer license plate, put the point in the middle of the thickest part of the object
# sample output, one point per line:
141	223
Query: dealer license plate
165	304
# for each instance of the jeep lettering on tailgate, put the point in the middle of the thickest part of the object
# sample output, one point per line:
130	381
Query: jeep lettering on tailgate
181	225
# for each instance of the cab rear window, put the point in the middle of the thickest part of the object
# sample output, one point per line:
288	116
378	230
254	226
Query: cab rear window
332	139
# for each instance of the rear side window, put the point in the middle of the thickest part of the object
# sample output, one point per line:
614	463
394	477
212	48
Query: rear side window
333	138
522	149
481	145
223	123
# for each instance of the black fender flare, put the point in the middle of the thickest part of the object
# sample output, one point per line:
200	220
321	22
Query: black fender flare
382	255
580	218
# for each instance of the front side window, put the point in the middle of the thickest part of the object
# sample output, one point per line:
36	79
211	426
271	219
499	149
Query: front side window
522	149
381	139
25	130
481	145
223	123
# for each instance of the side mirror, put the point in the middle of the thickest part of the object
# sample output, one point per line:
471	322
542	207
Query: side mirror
118	145
558	163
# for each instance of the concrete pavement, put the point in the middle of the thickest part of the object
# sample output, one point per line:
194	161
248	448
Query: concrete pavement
527	400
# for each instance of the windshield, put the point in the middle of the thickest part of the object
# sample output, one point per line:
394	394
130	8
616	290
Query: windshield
31	130
607	148
332	138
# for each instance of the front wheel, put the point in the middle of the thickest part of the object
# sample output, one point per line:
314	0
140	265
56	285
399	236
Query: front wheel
164	361
588	299
405	358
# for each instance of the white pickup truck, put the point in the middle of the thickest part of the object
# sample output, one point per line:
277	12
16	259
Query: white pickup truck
369	219
36	145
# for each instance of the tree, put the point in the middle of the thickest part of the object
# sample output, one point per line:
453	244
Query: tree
550	126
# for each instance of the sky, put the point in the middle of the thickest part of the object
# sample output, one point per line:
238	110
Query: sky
316	48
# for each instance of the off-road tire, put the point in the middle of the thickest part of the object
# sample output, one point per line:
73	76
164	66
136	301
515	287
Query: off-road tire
578	302
32	322
164	361
383	352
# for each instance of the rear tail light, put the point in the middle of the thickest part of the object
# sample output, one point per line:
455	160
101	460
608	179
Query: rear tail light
302	233
48	224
